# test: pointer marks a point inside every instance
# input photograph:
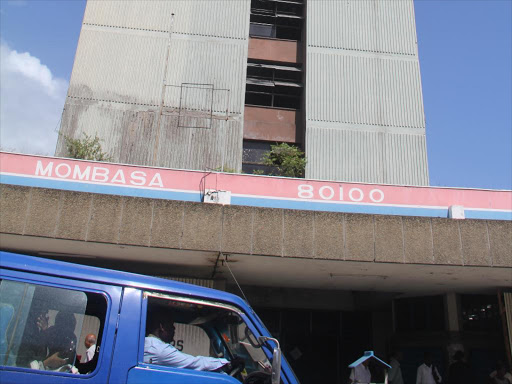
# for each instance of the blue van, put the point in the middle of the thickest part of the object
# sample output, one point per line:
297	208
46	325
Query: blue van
49	309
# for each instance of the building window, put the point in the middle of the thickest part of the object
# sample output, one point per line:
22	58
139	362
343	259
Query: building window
420	314
252	157
272	85
480	313
276	19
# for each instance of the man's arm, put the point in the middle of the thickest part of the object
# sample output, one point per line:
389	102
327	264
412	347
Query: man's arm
439	378
419	376
170	356
393	372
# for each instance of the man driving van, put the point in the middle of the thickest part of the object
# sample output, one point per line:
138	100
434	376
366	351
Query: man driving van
158	350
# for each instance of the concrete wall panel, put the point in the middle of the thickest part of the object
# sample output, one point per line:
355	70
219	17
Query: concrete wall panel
105	220
202	225
363	156
362	25
237	229
167	224
359	238
475	242
219	18
75	211
136	221
500	238
298	234
418	247
389	245
13	208
268	232
378	91
43	208
447	244
329	238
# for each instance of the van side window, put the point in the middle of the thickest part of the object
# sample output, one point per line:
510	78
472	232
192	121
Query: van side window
214	331
44	327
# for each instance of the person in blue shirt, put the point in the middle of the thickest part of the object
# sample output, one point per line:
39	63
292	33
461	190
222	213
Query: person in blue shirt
158	350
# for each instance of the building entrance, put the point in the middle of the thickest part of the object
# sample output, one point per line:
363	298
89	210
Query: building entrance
320	344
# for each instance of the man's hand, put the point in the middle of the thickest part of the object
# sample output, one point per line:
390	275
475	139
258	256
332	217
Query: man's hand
42	322
234	363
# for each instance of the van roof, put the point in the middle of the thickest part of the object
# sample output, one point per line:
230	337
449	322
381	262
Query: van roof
68	270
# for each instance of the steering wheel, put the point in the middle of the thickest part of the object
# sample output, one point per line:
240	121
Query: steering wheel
258	377
235	371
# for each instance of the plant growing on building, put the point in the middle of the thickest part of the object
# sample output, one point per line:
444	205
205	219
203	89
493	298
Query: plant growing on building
287	160
86	148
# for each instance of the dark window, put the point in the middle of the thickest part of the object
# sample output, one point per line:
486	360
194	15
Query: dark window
252	157
272	85
276	19
480	313
420	314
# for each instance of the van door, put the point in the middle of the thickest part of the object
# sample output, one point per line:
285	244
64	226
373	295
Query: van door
204	332
44	323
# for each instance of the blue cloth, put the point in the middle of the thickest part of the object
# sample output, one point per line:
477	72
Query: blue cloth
158	352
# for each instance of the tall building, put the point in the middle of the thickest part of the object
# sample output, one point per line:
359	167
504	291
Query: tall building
212	84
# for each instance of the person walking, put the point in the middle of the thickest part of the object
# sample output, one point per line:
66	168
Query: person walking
395	373
427	373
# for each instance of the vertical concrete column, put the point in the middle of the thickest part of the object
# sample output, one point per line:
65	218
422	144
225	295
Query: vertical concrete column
452	312
454	325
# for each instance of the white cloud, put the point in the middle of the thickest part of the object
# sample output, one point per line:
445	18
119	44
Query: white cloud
31	102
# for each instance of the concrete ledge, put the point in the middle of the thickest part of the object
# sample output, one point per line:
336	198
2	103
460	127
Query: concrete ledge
175	225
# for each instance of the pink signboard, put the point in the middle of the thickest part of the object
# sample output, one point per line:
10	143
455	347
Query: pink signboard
251	190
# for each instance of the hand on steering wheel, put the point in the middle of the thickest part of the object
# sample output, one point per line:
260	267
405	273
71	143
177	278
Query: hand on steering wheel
235	366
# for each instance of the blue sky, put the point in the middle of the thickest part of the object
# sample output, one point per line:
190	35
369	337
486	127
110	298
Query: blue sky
465	52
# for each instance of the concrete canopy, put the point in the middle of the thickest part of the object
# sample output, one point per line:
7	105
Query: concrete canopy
263	247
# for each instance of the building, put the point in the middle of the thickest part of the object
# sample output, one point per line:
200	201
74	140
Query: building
212	84
333	269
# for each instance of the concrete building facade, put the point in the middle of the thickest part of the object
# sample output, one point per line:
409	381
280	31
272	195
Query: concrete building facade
212	84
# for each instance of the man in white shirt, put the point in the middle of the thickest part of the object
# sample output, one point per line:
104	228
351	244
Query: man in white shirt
158	350
361	373
90	344
395	373
427	373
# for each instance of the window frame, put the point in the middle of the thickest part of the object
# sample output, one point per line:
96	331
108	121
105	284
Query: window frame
191	300
62	283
